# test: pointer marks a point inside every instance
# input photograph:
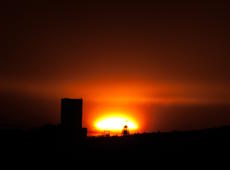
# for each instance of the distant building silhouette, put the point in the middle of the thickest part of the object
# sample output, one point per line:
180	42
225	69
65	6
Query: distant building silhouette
71	118
71	113
125	131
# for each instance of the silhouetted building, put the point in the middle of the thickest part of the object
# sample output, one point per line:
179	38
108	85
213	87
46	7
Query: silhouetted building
71	113
125	130
71	120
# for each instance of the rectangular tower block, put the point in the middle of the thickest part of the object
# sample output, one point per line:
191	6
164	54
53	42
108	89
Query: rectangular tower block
71	113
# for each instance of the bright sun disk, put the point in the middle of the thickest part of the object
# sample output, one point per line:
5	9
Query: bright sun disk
115	124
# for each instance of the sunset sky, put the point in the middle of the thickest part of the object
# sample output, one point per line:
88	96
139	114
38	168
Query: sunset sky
164	65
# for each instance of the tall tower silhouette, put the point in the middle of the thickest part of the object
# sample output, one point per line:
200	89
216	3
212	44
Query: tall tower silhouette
71	114
71	131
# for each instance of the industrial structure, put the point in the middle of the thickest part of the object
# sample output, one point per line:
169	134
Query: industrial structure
125	130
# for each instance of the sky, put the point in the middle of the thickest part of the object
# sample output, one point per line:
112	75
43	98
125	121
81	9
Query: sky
166	64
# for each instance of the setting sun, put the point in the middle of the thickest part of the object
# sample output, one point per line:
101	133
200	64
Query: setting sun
115	123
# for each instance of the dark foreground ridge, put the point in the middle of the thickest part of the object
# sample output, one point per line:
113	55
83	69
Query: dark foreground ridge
48	143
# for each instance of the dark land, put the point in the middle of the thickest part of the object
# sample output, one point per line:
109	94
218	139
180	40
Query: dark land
49	143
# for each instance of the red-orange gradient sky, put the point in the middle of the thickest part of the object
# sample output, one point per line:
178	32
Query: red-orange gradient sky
166	65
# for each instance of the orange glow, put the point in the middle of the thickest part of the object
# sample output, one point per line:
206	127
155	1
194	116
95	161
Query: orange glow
114	122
